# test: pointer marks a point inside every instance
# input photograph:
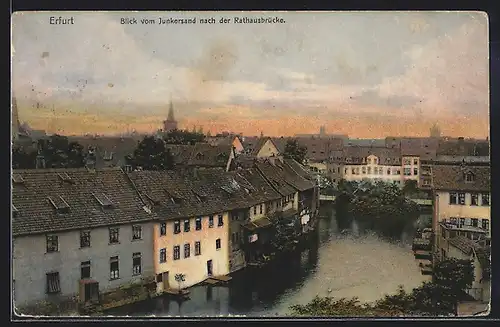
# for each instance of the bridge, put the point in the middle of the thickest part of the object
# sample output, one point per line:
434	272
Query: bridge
323	197
421	202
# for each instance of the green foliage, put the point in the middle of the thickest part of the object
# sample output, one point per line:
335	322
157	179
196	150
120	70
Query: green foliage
455	274
410	187
22	159
185	137
57	152
379	206
285	234
151	154
294	151
437	298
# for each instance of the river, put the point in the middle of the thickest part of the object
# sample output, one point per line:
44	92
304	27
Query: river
336	263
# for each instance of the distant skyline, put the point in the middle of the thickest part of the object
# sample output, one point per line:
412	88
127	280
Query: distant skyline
364	74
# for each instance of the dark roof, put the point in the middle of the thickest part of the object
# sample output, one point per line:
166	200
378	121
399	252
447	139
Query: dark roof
181	153
300	182
206	155
201	154
261	190
275	175
463	147
468	246
36	214
453	178
463	244
110	151
280	143
386	156
299	169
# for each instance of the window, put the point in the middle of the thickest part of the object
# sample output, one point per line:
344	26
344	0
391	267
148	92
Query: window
254	210
461	198
114	235
368	170
177	227
187	250
363	170
211	221
197	248
357	170
177	252
454	220
353	171
85	269
485	223
462	222
159	278
369	160
163	255
475	222
198	223
53	284
84	239
220	220
415	162
52	243
474	199
375	161
114	268
163	229
415	171
187	225
388	171
136	232
217	244
469	177
260	210
407	162
136	263
407	171
485	199
453	198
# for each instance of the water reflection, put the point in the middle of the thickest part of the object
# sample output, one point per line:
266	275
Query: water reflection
353	263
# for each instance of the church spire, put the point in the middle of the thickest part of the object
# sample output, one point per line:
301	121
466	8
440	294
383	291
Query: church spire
170	116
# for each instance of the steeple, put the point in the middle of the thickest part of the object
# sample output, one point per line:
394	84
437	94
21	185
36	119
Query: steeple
170	116
170	124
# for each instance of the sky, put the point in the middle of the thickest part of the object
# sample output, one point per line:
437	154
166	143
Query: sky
364	74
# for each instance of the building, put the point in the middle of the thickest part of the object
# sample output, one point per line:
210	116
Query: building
191	234
457	245
435	131
77	233
461	202
233	140
373	163
170	123
262	147
463	147
202	155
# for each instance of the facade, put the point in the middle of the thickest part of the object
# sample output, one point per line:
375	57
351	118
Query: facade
74	227
461	201
262	147
374	164
234	140
191	234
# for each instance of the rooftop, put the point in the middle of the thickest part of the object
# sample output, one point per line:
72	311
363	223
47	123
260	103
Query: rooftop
461	178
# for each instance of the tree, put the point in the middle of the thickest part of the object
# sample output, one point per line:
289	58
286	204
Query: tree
410	187
151	154
294	151
379	206
285	233
178	136
57	152
22	159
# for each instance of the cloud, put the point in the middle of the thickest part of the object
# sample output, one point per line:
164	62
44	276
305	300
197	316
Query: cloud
373	98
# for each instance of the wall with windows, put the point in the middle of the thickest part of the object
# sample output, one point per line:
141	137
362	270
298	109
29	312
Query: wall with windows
465	205
258	211
176	252
373	172
268	150
411	168
32	262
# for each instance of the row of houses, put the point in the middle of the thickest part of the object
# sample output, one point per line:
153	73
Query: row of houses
84	232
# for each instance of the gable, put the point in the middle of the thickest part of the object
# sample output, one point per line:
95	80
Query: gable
268	150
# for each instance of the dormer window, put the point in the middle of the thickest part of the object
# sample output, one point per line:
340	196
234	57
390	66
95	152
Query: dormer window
469	177
108	156
59	204
199	155
17	179
103	200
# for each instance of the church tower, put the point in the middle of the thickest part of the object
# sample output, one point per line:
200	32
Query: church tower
435	131
15	119
170	124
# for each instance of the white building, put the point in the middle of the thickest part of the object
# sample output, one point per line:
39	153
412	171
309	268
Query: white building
74	227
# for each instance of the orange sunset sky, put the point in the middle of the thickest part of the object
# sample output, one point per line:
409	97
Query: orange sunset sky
365	74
